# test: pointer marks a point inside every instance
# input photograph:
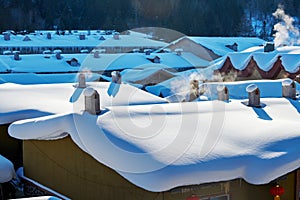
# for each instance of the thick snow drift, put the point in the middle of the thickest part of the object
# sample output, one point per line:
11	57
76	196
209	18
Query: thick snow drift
7	171
162	146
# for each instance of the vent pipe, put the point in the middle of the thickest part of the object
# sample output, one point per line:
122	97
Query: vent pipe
81	80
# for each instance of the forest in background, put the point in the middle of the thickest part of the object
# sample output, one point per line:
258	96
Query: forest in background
190	17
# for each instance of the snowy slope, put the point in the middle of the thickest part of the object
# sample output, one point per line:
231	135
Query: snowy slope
28	101
7	171
161	146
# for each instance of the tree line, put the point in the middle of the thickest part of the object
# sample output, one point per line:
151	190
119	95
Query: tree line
191	17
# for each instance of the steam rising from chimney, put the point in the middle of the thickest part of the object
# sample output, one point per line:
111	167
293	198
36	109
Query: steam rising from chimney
286	32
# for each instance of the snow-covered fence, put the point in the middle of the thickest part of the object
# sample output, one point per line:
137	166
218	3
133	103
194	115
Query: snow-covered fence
289	89
253	95
91	101
223	93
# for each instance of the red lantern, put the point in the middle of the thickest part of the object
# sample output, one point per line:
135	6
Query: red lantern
193	197
277	191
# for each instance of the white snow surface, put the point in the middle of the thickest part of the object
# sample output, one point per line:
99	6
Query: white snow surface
159	146
7	171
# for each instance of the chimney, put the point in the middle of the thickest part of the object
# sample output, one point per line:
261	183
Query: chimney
49	36
81	36
179	51
253	95
91	101
194	89
57	53
147	51
6	36
289	89
269	47
81	80
116	77
223	93
297	78
116	35
96	54
16	55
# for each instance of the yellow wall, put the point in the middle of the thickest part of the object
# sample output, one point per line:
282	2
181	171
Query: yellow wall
62	166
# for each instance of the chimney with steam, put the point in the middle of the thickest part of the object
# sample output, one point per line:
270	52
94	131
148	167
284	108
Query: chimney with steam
269	47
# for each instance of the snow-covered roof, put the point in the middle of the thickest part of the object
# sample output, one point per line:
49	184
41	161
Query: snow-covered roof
26	101
162	146
74	41
218	44
7	171
49	63
265	61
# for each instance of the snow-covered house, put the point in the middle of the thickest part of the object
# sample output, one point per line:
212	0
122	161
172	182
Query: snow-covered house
185	44
259	65
40	41
148	148
220	46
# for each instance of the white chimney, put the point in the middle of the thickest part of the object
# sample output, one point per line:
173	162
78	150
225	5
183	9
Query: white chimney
253	95
223	93
289	89
81	80
91	101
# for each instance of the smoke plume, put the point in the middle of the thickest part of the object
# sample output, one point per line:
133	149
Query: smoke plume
286	32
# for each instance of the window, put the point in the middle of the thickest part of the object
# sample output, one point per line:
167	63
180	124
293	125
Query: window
220	197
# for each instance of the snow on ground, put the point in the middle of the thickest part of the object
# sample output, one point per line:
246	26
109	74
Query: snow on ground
7	171
162	146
